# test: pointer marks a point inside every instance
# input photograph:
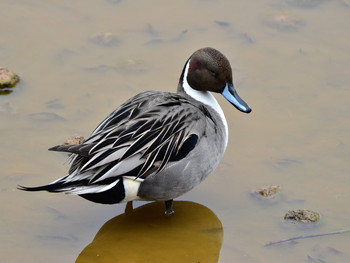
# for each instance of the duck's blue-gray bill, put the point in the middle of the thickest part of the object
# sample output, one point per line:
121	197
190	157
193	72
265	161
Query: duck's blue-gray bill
232	96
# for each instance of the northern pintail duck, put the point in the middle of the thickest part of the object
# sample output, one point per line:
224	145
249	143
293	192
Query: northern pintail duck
157	145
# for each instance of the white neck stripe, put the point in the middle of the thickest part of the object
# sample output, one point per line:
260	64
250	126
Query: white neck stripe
205	97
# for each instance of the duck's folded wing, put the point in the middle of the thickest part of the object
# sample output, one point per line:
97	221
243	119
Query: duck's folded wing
139	138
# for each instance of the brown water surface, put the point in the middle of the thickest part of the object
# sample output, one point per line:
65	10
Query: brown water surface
78	60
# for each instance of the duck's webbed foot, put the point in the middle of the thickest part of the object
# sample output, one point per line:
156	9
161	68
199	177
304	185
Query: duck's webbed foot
169	207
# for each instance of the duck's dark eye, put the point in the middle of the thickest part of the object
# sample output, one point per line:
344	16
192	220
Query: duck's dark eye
212	72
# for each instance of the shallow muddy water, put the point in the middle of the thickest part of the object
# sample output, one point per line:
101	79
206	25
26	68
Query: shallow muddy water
78	60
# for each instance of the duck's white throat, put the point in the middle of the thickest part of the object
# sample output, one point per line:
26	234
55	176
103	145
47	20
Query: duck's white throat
205	97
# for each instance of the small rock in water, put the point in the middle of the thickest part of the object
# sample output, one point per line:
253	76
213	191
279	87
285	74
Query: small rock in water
302	215
76	139
268	191
8	79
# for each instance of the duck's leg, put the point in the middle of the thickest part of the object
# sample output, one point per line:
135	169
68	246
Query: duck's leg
128	208
169	207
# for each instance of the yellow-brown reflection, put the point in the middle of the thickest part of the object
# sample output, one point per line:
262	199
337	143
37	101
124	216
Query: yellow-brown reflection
145	234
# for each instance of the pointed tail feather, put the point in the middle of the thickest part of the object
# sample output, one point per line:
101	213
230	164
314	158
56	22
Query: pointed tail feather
74	187
80	149
48	187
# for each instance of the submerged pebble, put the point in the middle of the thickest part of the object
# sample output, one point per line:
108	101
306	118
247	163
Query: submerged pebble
8	78
270	192
283	22
302	215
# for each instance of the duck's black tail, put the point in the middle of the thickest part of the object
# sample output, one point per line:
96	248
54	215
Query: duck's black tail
111	195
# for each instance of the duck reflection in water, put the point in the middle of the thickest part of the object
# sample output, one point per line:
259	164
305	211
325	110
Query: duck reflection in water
194	234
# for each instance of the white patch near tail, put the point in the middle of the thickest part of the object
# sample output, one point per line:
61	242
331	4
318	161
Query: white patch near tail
131	186
89	189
